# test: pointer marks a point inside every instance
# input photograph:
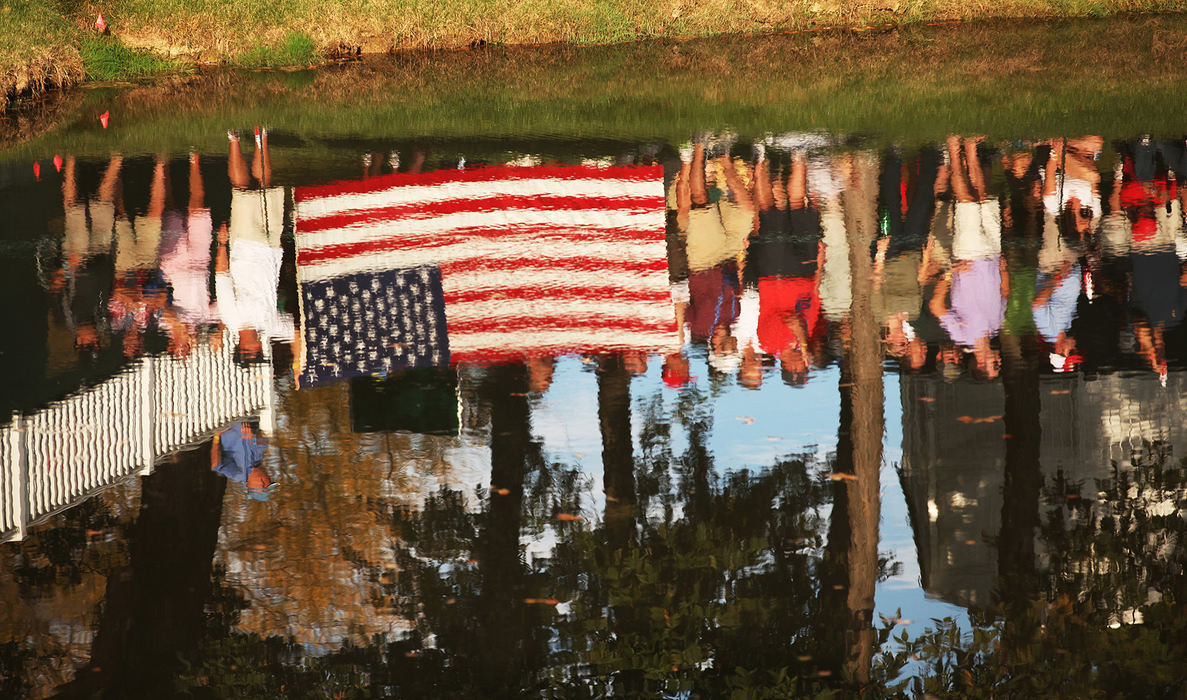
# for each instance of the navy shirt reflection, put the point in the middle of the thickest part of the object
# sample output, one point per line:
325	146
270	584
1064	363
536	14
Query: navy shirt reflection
237	454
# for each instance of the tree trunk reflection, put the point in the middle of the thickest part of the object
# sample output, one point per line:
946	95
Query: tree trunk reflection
860	440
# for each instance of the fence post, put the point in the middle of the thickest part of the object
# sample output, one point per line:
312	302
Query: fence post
148	414
19	443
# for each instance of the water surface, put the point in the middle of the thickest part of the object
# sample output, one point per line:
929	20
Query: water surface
764	397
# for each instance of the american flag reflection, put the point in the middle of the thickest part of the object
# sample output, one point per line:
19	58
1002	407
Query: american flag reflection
482	265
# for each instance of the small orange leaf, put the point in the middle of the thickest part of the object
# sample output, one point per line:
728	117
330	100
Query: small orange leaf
927	399
568	517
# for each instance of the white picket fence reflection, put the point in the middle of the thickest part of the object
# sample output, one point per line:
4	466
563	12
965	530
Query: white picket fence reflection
56	457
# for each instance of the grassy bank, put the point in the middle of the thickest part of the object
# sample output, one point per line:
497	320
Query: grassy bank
1004	80
54	41
36	49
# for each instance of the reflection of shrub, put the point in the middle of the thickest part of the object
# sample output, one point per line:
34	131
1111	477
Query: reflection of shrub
106	59
296	49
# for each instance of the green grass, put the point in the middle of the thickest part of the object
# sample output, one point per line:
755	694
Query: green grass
296	49
36	48
41	40
105	59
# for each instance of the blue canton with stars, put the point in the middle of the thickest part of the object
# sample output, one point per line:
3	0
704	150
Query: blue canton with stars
372	323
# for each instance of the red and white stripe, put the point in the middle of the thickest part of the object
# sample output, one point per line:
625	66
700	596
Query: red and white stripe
534	260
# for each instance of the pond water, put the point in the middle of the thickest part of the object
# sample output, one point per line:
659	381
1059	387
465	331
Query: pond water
536	373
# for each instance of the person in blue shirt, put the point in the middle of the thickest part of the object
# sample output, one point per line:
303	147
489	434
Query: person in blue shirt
237	453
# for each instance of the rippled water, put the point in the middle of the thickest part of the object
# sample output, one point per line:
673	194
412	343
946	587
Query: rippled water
733	413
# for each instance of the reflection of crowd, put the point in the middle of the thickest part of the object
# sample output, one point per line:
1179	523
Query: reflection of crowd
975	242
1059	245
135	277
139	274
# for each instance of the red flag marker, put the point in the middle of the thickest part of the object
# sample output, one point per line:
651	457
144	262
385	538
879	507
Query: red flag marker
100	24
58	163
103	119
36	170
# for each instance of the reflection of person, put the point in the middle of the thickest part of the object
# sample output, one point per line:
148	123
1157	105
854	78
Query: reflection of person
86	276
1159	278
978	284
137	239
1057	291
788	257
714	208
1071	183
237	454
898	259
141	297
185	254
247	265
